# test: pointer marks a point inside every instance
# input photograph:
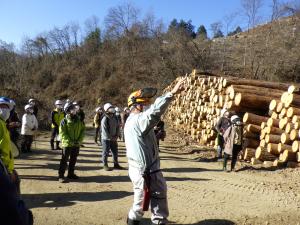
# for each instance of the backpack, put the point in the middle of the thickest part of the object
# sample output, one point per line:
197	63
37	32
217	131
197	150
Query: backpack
238	133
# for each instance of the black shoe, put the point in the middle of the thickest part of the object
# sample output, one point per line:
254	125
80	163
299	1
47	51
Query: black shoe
118	167
73	177
82	145
132	222
58	148
106	168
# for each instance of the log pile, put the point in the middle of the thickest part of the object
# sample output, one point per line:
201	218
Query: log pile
270	112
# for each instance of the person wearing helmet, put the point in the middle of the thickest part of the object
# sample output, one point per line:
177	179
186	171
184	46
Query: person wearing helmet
71	131
124	117
33	103
119	118
110	131
149	185
97	123
14	124
233	138
29	127
79	110
5	147
221	126
57	116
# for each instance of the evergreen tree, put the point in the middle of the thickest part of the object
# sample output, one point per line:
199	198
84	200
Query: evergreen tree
201	32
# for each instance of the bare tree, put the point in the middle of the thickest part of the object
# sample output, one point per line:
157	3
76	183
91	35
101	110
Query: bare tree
91	24
121	19
251	10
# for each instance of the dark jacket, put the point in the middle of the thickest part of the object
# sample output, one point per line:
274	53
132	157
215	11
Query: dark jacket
222	125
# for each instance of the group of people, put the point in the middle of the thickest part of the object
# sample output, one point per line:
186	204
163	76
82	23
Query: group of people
12	208
230	138
27	126
141	117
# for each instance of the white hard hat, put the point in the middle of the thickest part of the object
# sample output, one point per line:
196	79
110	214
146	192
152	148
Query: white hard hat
58	102
98	109
223	111
27	107
31	100
6	101
234	117
126	108
75	103
68	106
107	106
117	109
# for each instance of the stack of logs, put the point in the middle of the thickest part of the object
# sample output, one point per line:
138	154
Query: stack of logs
270	112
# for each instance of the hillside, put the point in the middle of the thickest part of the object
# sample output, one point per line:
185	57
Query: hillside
110	68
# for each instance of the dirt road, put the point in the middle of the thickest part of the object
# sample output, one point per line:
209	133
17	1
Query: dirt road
198	192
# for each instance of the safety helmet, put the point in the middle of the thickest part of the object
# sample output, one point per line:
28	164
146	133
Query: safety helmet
68	106
126	108
31	100
28	106
98	109
142	96
235	119
117	109
75	103
107	106
58	102
6	101
223	111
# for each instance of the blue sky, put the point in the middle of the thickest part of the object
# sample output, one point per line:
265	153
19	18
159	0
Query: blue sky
20	18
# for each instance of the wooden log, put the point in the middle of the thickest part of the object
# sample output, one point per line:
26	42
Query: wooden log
273	122
272	105
246	89
262	143
273	130
288	127
252	101
288	156
263	155
294	135
296	146
255	161
285	138
251	143
250	135
279	107
295	119
273	138
279	163
292	100
257	83
273	148
249	153
253	128
282	147
291	111
251	118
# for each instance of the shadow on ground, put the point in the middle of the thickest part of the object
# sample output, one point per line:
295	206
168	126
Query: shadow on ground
68	199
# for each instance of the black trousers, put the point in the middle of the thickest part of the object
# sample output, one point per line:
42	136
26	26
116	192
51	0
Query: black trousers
68	153
235	151
26	143
97	134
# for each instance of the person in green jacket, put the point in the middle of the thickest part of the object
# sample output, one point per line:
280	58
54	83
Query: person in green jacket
72	133
5	143
57	115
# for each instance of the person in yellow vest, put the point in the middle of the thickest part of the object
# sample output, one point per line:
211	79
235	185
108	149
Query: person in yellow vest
57	115
5	146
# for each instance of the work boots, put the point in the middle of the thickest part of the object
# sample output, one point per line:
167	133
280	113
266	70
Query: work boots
132	222
52	144
57	145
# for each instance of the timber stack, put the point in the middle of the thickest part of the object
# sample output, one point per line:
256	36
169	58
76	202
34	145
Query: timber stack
270	112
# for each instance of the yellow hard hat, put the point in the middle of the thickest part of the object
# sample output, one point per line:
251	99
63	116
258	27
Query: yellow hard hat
142	96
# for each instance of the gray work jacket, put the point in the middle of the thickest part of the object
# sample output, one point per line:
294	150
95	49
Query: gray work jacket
140	140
